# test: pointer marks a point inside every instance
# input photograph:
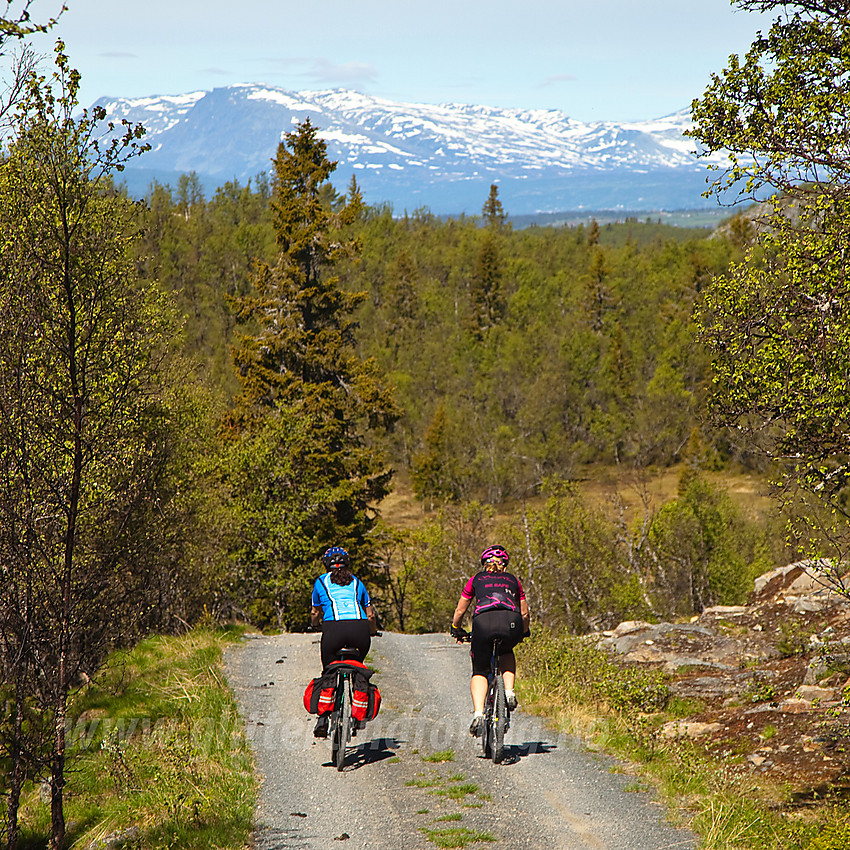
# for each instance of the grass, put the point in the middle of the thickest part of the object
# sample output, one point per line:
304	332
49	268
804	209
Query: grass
441	756
157	753
424	782
456	836
458	791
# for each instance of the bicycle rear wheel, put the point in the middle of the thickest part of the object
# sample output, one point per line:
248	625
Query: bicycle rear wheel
342	732
500	710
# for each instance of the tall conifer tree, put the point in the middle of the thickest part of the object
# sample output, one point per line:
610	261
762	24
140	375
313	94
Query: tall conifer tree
302	382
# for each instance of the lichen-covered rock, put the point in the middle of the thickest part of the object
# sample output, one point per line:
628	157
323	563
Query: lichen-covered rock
770	679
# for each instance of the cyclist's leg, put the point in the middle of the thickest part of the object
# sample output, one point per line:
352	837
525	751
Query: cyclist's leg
507	664
480	653
478	687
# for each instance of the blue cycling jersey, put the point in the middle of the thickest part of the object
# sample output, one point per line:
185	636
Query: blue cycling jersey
341	602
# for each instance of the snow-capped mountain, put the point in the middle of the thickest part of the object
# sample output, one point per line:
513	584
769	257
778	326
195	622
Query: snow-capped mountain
412	155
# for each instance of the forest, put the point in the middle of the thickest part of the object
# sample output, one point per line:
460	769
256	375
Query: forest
521	362
199	395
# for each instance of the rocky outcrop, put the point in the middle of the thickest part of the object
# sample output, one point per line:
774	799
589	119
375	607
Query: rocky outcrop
767	683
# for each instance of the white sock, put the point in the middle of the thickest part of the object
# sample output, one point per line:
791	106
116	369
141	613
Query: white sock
479	714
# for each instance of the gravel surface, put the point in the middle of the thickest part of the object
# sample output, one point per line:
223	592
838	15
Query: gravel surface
549	792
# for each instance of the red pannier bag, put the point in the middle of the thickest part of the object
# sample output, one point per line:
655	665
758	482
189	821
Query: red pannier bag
319	695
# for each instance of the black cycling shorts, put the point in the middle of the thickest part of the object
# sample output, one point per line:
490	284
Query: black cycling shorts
489	624
337	634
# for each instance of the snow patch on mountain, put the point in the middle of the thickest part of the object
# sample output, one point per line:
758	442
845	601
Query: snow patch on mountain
410	154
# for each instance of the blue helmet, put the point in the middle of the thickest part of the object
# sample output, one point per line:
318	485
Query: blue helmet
336	556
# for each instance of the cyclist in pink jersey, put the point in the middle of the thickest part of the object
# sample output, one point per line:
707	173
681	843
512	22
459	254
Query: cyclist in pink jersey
500	611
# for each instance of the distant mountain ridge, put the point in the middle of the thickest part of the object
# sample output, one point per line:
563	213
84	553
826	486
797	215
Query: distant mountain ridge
410	155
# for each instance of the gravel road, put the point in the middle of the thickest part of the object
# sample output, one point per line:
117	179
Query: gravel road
549	792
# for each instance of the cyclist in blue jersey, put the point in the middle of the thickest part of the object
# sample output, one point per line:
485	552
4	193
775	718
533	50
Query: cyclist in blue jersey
343	609
500	610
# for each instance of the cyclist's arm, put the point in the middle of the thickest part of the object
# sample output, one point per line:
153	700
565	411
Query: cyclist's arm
462	605
523	609
373	621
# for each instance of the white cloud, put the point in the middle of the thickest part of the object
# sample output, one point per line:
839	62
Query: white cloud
348	74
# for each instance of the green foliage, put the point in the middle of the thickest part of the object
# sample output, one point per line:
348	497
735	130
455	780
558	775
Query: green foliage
442	556
781	110
708	554
205	252
456	836
833	836
304	464
794	638
582	568
570	562
431	469
528	352
573	669
776	323
95	499
16	21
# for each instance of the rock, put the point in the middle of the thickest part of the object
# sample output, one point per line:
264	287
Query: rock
123	838
688	729
794	705
705	687
822	663
725	610
812	693
771	583
806	604
629	626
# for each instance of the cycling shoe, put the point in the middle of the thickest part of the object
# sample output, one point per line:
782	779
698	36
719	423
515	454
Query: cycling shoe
476	728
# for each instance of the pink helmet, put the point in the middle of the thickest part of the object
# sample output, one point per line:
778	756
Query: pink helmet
494	552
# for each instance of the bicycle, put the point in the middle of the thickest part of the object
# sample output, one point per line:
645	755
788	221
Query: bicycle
342	726
341	722
497	713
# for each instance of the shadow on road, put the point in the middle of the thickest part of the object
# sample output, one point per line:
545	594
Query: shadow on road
369	752
514	752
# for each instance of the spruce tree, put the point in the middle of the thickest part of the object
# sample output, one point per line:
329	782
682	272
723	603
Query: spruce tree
297	367
493	212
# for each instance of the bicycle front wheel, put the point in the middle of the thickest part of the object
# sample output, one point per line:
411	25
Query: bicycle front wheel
500	713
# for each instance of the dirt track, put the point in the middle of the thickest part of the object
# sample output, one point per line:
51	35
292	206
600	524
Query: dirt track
549	793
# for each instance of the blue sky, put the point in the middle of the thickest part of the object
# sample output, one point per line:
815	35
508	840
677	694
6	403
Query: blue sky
617	60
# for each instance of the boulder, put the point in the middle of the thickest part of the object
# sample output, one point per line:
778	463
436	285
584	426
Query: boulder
688	729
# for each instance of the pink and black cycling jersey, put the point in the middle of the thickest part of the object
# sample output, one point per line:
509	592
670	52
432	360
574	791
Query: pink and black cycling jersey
494	592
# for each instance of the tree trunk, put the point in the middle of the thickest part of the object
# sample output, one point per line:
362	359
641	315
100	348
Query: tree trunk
57	774
15	781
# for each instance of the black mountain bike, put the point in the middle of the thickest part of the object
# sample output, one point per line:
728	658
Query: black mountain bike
497	714
342	726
